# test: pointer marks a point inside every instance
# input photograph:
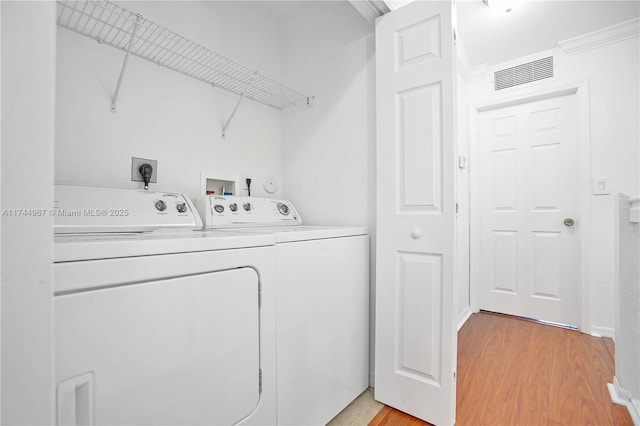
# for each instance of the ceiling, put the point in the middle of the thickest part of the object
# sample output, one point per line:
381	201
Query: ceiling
533	26
493	37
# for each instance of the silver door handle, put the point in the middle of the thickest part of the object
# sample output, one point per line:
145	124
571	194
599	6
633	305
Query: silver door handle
569	222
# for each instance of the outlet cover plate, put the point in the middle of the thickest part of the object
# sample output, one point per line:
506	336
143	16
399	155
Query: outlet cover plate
135	172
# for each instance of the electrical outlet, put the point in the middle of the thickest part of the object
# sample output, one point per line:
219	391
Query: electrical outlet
135	169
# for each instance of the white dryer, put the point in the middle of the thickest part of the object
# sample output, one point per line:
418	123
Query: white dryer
322	305
157	323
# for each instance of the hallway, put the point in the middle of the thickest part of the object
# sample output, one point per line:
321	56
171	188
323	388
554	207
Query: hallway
517	372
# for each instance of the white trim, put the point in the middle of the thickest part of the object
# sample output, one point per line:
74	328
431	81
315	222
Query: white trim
634	410
597	331
370	10
621	393
474	214
529	96
634	213
622	396
580	89
464	316
584	120
603	37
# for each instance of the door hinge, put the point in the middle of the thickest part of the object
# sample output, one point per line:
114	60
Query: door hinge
456	208
259	294
260	380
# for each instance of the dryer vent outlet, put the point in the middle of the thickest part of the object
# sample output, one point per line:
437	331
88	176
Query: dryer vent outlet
136	176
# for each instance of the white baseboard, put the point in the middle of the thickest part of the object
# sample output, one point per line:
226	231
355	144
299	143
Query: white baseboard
621	396
464	316
597	331
634	410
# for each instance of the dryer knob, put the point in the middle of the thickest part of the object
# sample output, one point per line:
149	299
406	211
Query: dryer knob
283	209
182	207
161	205
247	206
219	208
233	207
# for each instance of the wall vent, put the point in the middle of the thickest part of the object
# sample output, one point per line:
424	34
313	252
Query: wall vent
524	73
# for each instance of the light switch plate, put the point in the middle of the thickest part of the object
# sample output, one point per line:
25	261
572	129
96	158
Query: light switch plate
601	186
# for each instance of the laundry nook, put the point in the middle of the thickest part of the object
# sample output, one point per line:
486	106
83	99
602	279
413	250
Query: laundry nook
320	212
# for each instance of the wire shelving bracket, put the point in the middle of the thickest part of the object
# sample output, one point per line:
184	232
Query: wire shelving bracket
118	27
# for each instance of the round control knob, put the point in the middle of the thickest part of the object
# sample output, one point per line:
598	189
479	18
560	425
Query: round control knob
182	207
247	207
416	233
233	207
161	205
219	208
283	209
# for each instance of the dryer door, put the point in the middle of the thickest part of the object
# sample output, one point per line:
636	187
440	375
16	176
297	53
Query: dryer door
180	351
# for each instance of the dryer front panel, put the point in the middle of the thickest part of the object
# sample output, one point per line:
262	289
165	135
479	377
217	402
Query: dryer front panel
178	351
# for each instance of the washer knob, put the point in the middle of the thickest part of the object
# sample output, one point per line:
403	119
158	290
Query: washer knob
283	209
219	208
161	205
233	207
182	207
247	207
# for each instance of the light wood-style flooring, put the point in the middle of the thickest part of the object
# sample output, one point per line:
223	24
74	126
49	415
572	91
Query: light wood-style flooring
517	372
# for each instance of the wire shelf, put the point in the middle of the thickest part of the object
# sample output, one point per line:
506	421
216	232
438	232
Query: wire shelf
116	26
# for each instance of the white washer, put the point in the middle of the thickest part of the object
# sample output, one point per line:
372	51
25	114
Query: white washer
322	305
155	323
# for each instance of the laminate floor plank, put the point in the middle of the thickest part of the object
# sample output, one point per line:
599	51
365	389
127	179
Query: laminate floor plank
518	372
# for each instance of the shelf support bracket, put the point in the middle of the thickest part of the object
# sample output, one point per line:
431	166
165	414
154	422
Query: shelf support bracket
233	113
114	99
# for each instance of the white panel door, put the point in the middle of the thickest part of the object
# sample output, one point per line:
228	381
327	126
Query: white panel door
529	171
415	352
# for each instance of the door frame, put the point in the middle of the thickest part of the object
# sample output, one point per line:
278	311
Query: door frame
581	90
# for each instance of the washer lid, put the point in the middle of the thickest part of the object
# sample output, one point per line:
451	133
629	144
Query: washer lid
285	234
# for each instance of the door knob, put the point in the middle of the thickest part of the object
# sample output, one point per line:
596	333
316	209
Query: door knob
569	222
416	233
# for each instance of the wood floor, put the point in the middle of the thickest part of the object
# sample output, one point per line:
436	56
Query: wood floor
517	372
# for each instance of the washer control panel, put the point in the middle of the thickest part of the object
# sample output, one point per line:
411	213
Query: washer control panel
230	211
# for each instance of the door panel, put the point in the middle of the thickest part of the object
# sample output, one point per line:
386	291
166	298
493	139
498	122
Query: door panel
415	315
530	261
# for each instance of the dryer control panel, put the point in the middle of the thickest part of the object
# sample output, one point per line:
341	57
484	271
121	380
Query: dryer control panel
86	209
230	211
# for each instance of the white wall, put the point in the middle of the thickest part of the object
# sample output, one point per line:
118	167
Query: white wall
328	150
164	115
28	91
612	72
627	239
328	162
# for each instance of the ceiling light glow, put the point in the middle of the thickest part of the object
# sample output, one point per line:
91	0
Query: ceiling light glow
503	6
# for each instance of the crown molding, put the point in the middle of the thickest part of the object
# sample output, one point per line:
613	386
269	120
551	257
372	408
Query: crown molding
603	37
463	63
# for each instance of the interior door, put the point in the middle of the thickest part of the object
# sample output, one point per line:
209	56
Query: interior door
529	178
415	351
